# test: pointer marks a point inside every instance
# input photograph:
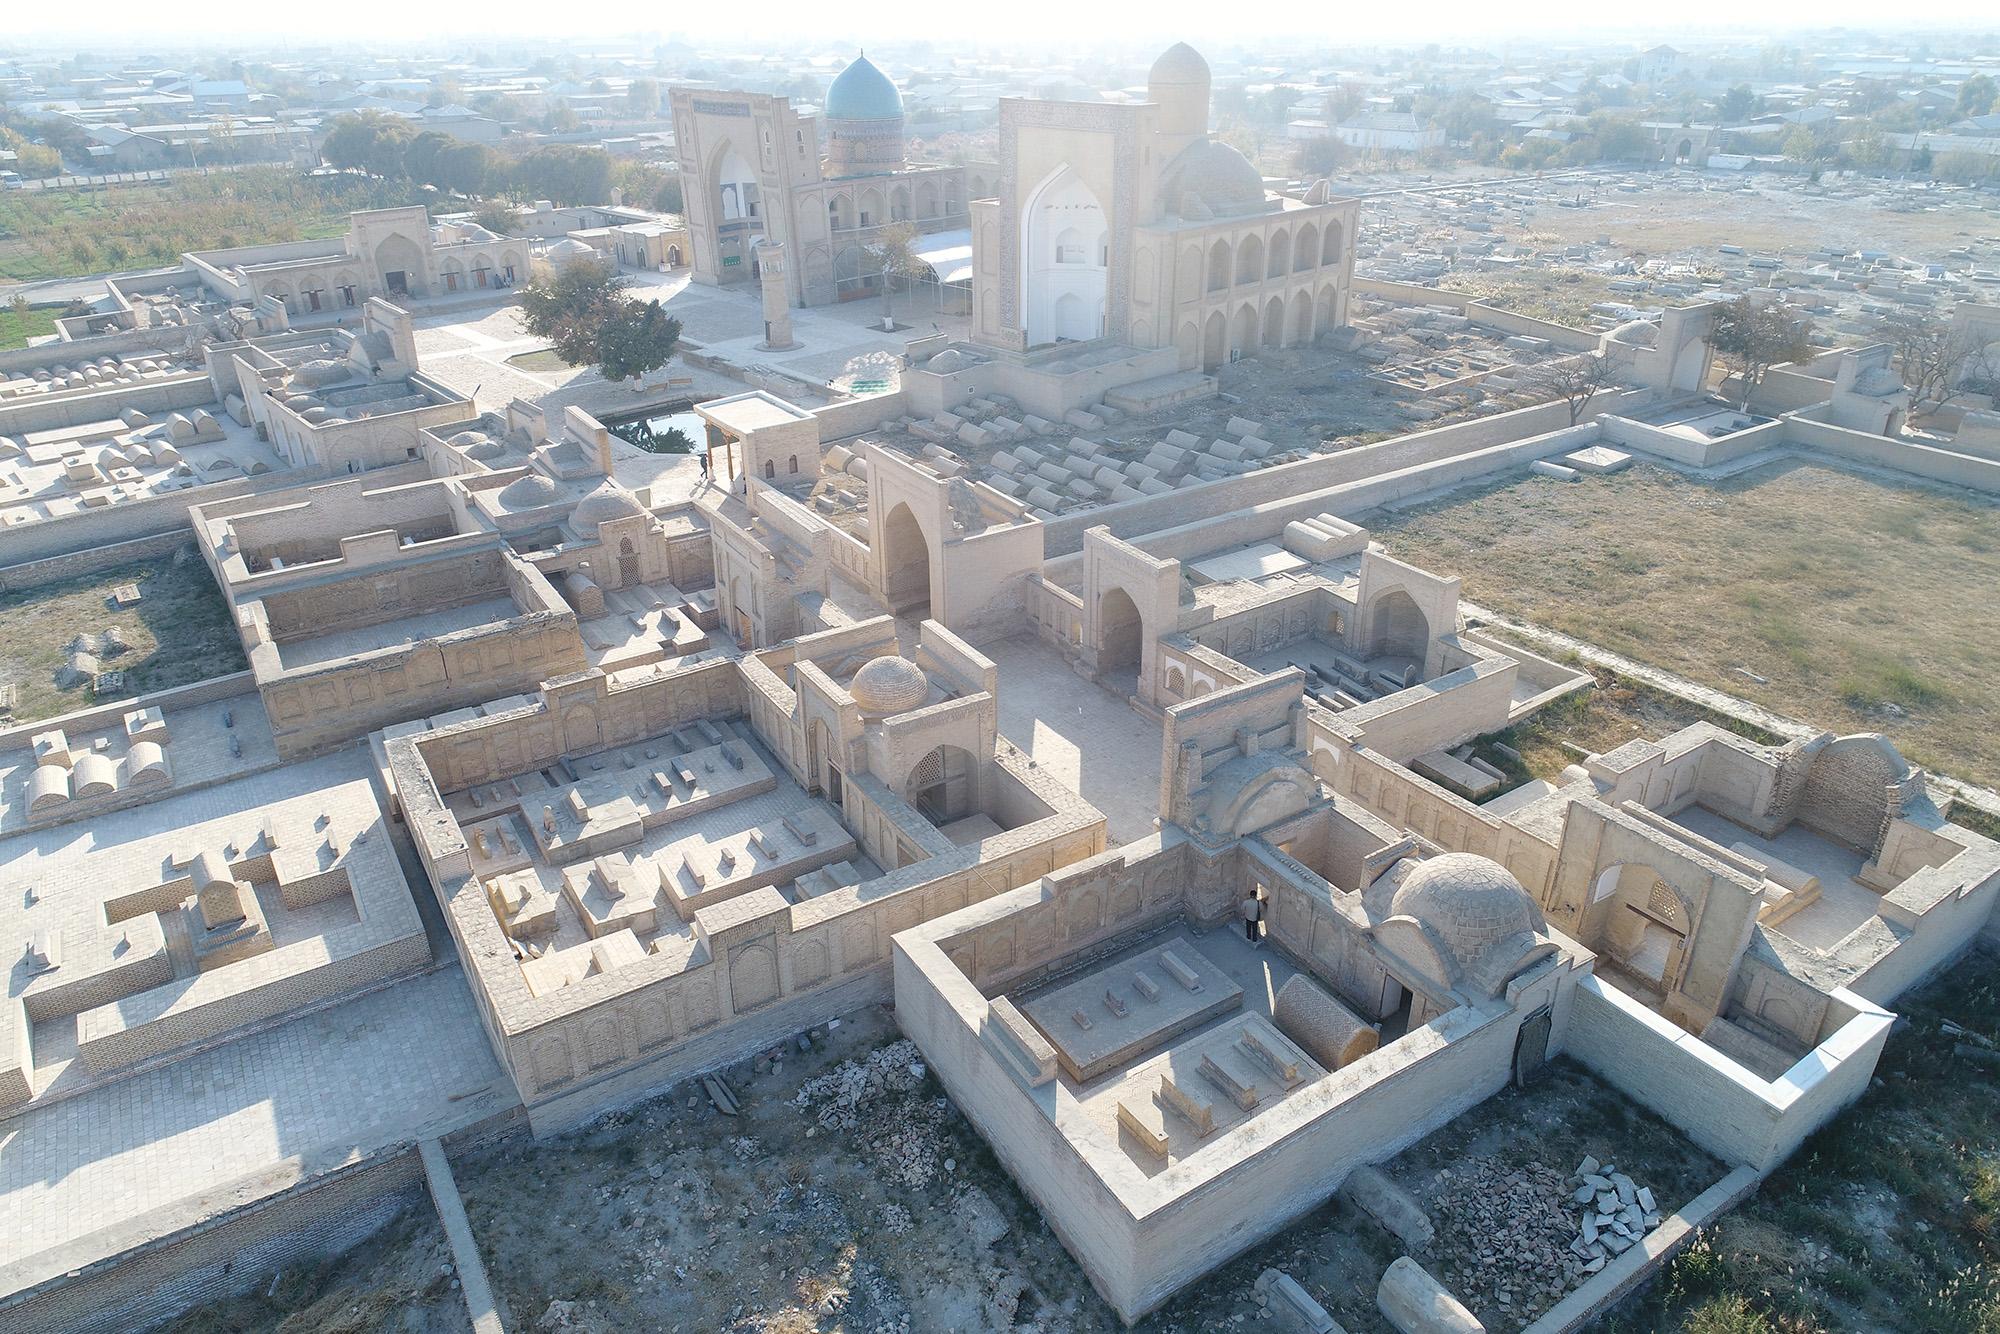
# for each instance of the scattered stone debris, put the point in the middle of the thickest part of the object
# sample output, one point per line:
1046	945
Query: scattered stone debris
1512	1227
837	1096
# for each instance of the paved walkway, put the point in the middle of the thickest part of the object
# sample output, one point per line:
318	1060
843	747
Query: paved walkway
94	1174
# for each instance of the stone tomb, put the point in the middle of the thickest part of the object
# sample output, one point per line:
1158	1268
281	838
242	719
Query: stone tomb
1111	1015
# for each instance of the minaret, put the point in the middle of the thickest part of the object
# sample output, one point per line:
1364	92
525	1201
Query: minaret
777	302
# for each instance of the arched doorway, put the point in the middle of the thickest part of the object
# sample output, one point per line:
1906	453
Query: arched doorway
1646	927
401	265
1397	627
941	785
1188	343
1274	322
1065	235
822	763
1302	319
736	192
1119	633
1215	343
1243	337
906	562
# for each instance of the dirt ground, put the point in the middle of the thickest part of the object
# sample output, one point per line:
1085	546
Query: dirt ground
1775	215
178	633
850	1195
1842	599
397	1282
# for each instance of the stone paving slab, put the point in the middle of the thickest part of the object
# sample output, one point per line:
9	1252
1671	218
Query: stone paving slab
179	1142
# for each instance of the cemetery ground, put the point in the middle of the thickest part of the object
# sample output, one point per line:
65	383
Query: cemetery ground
177	633
1844	599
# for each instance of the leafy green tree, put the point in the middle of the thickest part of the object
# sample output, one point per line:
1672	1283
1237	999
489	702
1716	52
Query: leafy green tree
565	173
668	198
642	97
496	216
1976	95
636	340
423	156
1737	105
466	168
586	314
371	141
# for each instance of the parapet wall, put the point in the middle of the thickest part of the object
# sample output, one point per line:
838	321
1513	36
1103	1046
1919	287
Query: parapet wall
1727	1109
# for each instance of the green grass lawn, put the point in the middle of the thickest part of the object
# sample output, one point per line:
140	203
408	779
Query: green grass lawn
17	329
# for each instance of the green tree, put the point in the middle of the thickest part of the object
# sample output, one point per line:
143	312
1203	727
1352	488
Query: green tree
1800	146
496	216
586	314
642	98
423	156
636	340
565	173
371	141
668	198
1976	95
1754	336
466	168
1737	105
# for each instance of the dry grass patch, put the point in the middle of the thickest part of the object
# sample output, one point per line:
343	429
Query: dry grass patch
1866	605
178	633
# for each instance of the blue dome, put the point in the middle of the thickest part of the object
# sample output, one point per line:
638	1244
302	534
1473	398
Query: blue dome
862	92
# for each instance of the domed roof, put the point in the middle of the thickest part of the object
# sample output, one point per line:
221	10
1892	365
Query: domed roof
1214	176
1178	64
607	502
889	684
1637	333
320	374
527	491
1470	903
862	92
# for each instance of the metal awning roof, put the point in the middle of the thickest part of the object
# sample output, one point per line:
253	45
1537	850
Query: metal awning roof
948	253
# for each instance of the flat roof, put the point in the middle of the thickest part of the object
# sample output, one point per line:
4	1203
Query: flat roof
741	414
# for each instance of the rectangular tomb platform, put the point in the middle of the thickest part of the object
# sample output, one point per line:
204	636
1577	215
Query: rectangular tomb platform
1170	1105
1103	1020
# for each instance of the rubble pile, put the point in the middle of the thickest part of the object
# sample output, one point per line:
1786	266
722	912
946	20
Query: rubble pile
1613	1213
1503	1236
837	1096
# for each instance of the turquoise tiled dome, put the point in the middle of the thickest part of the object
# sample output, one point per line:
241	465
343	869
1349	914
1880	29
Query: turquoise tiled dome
862	92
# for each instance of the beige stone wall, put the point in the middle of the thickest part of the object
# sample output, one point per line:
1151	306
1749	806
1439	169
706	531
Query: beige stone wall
1140	1239
1717	1103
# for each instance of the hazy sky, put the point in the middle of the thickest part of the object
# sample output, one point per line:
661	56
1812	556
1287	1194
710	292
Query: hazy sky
120	24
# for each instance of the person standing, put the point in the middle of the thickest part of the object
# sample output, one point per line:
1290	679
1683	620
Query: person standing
1252	912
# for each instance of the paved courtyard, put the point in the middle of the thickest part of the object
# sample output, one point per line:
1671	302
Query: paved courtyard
79	1177
1085	737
